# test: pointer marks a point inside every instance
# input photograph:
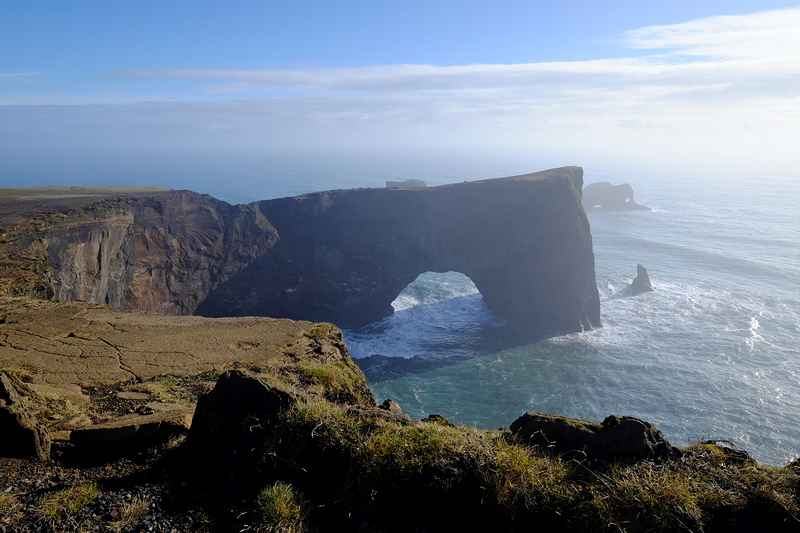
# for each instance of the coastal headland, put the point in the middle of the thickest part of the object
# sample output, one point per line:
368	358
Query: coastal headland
143	416
339	256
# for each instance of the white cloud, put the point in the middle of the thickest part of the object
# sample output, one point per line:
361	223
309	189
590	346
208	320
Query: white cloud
706	54
769	35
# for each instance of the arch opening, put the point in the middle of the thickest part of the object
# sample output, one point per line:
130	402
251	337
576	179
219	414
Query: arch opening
434	287
437	317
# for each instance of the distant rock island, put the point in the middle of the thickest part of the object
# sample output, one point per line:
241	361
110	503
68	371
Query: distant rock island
338	256
407	184
604	195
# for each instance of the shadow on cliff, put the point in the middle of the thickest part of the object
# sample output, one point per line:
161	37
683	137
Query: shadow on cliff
435	335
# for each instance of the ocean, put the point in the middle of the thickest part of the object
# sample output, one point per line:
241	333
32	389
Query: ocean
711	353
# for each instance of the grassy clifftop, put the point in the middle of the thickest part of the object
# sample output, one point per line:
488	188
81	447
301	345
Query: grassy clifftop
344	470
307	448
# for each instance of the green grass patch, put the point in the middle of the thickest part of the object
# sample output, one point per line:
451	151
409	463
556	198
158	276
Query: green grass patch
68	501
212	375
163	388
339	381
321	330
378	469
280	508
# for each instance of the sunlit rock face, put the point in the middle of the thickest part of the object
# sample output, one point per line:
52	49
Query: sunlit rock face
343	256
160	251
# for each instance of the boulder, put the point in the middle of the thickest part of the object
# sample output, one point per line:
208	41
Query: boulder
20	434
617	437
641	282
240	406
391	406
733	452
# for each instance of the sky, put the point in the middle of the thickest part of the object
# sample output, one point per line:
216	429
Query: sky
680	85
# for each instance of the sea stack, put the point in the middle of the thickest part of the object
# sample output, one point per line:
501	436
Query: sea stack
641	283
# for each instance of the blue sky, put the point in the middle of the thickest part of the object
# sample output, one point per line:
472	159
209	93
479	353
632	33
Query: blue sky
576	82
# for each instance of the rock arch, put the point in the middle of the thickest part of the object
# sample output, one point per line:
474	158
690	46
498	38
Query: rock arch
343	256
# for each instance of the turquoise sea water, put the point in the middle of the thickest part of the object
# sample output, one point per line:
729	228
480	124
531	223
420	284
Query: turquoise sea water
712	353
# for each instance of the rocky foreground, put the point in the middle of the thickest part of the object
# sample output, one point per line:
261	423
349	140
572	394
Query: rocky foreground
115	421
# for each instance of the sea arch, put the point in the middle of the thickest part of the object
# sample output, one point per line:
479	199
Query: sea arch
343	256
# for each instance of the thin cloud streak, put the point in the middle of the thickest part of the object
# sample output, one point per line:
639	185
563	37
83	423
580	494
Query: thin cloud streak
724	51
9	76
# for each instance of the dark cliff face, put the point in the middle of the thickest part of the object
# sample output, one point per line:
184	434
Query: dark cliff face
344	256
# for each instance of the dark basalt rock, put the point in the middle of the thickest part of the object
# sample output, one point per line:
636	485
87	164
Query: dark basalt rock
617	437
731	450
398	417
641	282
20	434
239	408
604	195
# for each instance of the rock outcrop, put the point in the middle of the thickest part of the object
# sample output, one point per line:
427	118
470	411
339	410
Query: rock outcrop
21	435
228	414
617	437
604	195
641	283
339	256
343	256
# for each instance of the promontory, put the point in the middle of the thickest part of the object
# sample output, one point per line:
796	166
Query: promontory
340	256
